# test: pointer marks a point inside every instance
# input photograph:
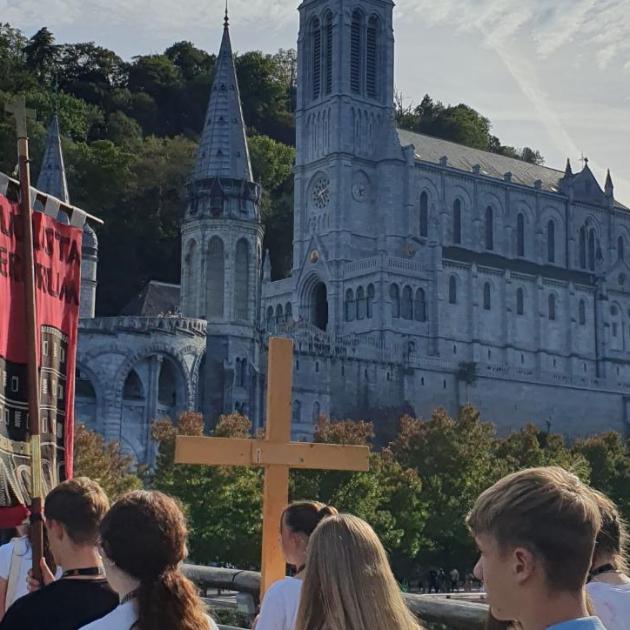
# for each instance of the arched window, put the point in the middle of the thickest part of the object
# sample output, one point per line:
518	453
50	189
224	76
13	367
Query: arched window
191	268
243	375
551	300
279	315
370	301
372	57
361	304
288	312
133	389
591	250
457	222
297	412
406	310
520	235
316	412
328	30
356	39
237	373
316	39
487	296
452	290
216	278
489	229
349	306
582	313
582	247
424	214
394	294
520	302
420	307
269	317
241	280
620	248
551	242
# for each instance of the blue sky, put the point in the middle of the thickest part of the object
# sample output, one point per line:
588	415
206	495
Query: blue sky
551	74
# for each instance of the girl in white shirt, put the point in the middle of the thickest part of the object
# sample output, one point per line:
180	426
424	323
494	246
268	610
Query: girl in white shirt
15	561
143	541
609	584
280	604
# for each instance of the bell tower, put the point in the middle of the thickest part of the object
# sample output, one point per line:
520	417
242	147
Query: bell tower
222	249
344	118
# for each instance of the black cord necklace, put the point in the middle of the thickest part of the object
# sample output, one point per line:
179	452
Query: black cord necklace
88	571
605	568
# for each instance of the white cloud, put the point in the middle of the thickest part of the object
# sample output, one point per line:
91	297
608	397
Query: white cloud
599	26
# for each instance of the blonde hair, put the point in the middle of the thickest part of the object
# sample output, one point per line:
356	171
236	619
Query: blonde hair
348	583
548	511
612	538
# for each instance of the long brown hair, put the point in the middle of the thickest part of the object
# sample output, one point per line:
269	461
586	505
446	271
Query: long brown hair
144	534
612	538
348	584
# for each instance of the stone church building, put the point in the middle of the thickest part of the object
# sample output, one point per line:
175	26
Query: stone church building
425	273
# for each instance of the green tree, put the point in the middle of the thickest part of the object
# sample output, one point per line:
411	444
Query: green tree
454	459
388	496
15	76
222	504
104	462
42	54
608	456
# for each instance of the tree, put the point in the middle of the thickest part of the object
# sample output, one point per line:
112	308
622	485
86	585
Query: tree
388	496
454	459
272	164
608	456
41	54
222	504
104	462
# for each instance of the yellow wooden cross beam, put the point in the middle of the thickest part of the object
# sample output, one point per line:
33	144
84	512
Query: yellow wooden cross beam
275	453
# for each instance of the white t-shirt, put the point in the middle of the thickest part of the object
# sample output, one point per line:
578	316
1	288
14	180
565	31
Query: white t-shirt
611	603
280	605
24	556
122	618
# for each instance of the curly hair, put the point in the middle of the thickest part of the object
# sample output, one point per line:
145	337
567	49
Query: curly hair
144	534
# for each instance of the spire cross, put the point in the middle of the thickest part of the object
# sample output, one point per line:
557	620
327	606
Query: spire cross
226	22
584	160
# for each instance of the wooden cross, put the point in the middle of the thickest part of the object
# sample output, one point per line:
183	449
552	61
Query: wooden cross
17	107
275	453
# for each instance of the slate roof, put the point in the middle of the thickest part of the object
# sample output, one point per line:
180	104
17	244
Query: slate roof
157	298
430	149
223	151
52	175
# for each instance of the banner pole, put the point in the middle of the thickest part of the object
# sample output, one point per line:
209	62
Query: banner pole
18	108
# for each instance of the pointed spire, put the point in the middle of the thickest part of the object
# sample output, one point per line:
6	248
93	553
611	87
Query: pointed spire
226	21
52	175
568	171
223	149
608	187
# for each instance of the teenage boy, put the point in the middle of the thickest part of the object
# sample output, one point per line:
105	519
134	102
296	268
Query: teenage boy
536	531
73	512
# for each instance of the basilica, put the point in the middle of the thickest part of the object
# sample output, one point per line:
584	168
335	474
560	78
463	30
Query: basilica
425	273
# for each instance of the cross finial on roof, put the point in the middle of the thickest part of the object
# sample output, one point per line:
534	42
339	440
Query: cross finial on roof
226	21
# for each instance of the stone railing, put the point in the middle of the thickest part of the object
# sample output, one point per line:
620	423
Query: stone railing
166	324
454	614
389	263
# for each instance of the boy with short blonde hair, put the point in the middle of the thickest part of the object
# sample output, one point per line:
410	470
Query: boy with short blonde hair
536	531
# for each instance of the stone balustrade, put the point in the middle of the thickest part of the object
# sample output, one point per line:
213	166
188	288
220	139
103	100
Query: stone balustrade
167	324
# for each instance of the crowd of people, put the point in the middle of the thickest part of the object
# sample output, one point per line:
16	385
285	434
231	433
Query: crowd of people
551	557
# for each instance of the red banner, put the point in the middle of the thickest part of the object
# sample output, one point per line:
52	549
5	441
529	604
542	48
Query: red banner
57	249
